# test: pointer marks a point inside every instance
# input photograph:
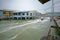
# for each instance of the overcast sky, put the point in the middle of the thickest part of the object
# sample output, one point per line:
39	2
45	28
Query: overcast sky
25	5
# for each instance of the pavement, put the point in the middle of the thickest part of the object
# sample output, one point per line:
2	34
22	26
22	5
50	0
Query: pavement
31	30
58	21
54	31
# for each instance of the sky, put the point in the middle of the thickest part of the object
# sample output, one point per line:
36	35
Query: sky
27	5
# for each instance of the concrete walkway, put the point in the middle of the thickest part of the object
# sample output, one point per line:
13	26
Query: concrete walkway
58	21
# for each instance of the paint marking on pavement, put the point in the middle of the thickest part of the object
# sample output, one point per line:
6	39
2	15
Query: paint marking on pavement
34	21
18	34
24	30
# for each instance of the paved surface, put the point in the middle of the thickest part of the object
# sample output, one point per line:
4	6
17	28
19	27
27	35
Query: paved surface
58	21
7	24
31	30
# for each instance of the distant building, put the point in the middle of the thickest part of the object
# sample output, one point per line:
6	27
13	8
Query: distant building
5	14
26	15
0	14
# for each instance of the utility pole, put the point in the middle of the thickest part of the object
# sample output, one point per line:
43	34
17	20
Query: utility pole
52	9
44	1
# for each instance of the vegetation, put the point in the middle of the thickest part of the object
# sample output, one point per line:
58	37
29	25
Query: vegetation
57	31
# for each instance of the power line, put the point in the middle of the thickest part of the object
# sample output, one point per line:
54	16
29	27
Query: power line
57	2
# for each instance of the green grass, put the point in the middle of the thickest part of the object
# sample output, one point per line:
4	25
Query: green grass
57	30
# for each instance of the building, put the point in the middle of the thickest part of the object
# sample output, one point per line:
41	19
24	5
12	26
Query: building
6	14
0	14
26	15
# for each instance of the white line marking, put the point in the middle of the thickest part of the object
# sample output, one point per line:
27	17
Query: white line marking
18	34
24	29
34	21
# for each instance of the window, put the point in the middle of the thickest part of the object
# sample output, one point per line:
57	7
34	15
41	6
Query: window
15	13
19	14
30	14
23	14
4	12
27	14
27	17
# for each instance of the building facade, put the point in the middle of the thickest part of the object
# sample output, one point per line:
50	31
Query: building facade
0	14
26	15
4	14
